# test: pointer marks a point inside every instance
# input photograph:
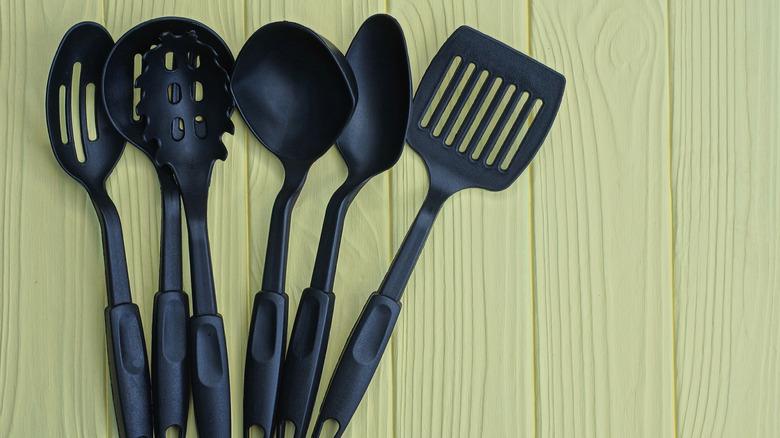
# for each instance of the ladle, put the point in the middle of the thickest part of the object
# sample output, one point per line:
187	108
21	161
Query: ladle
370	144
296	93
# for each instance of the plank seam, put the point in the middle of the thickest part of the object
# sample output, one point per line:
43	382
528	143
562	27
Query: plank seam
670	138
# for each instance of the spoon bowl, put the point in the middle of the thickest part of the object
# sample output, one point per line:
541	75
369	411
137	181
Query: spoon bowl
374	138
294	90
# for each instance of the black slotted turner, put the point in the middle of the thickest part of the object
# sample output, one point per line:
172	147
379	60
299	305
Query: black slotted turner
479	116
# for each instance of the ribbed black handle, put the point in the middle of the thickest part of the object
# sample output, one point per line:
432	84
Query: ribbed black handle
305	357
210	377
264	356
170	371
358	362
130	384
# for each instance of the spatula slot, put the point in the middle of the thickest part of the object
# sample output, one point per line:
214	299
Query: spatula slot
437	96
511	116
525	126
62	109
488	131
92	134
137	64
75	111
475	120
452	101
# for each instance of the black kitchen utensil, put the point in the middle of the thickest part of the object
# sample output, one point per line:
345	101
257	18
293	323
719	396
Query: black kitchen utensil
370	144
170	370
296	92
187	126
482	111
75	75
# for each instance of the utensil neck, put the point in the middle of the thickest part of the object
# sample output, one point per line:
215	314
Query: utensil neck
204	300
114	259
279	231
401	269
324	273
170	232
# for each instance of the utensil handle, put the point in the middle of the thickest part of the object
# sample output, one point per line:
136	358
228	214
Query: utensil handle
170	373
264	356
210	376
305	357
130	384
358	362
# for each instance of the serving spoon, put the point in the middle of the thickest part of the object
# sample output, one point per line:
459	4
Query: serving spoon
370	144
296	92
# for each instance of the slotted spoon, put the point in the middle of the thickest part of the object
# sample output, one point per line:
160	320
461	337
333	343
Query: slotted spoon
480	114
87	44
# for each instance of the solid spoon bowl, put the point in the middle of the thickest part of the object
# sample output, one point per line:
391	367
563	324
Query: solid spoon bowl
291	93
373	139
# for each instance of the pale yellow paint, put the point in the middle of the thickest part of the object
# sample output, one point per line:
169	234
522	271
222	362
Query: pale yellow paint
625	286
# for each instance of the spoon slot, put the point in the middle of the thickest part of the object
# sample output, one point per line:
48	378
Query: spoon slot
75	111
62	111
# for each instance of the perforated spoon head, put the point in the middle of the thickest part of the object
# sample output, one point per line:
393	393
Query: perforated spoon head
75	71
124	64
186	105
481	112
294	89
374	137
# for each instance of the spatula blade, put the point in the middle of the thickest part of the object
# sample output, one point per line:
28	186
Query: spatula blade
483	110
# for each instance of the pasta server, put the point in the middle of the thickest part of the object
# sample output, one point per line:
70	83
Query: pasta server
480	114
187	127
170	370
79	62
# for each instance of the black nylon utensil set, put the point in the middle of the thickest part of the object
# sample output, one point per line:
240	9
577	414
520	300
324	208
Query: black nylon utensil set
169	86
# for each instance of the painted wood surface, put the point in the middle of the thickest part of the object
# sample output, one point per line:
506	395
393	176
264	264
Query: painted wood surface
623	286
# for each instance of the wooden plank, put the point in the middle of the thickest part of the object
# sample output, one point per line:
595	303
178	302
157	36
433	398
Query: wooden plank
602	229
462	352
365	249
725	164
52	293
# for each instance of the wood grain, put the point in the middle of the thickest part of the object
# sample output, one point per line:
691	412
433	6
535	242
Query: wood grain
50	380
725	164
624	286
462	352
602	233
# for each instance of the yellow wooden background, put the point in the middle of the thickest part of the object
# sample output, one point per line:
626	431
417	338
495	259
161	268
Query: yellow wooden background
628	285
